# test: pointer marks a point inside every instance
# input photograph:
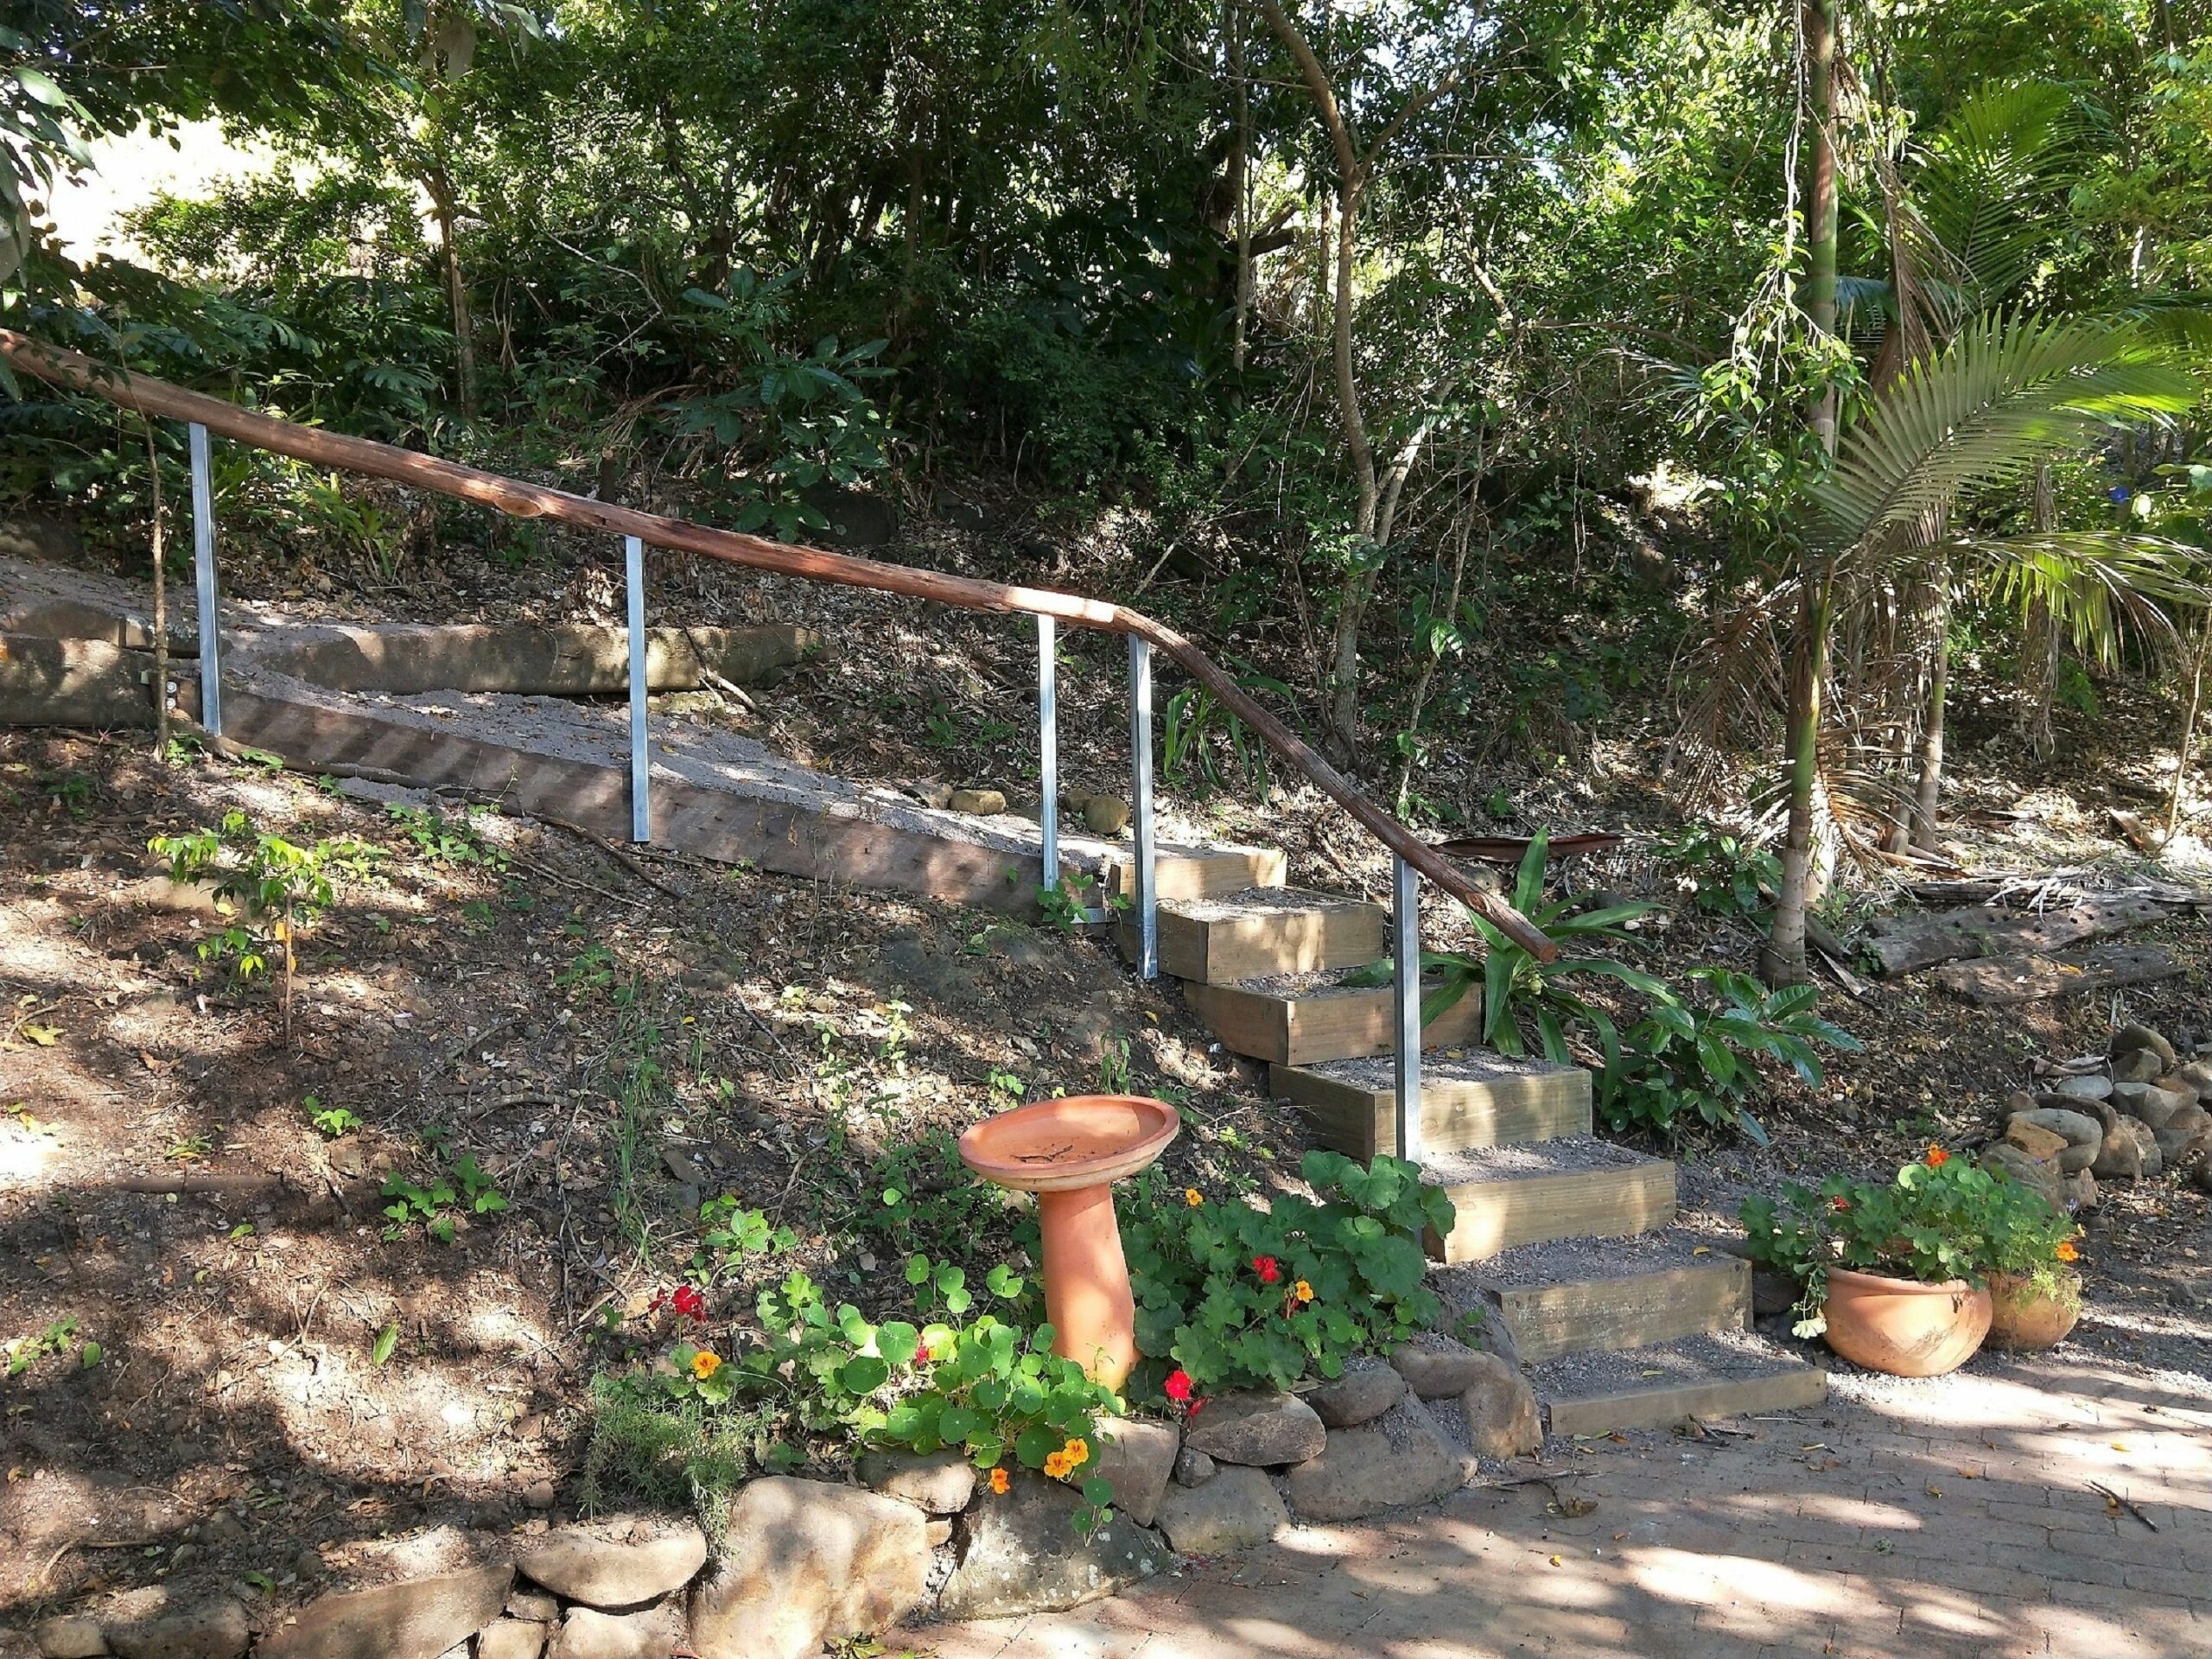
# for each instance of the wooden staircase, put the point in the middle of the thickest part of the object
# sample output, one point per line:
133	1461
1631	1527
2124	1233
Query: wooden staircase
1627	1320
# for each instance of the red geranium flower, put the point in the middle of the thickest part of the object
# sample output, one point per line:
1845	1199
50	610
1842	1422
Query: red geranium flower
1839	1204
1177	1386
684	1299
1269	1269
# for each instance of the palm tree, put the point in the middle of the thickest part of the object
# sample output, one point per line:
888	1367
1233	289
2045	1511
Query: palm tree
2004	394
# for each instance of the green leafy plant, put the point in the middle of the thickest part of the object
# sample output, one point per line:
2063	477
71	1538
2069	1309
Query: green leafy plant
330	1121
23	1352
919	1196
1701	1058
464	1187
1725	874
729	1233
1233	1296
452	840
1076	900
1941	1218
280	885
1515	984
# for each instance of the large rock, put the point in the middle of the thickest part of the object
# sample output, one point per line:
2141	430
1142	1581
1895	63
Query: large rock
511	1638
2120	1157
1024	1555
72	1636
939	1483
2081	1191
1436	1368
2183	1130
1194	1468
2179	1083
1257	1429
2134	1039
2040	1144
2083	1130
1137	1456
419	1619
2037	1175
2093	1086
1367	1390
623	1562
1237	1508
151	1626
1501	1408
587	1633
2138	1066
2197	1074
2148	1104
1400	1457
804	1562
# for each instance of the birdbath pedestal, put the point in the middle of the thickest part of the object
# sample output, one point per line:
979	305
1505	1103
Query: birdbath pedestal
1069	1152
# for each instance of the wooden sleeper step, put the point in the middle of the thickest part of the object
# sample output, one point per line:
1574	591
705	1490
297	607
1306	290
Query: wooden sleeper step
1705	1377
1594	1295
1298	1019
1574	1188
1200	872
1262	931
1469	1099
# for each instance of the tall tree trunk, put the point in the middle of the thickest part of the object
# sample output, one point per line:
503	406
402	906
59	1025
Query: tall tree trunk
1784	963
161	601
1240	182
442	205
1928	793
2195	706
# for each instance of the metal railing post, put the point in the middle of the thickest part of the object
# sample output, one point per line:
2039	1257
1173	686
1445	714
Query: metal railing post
203	584
641	798
1406	1005
1140	806
1048	751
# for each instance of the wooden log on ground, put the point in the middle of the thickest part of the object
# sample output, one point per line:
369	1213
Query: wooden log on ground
1905	945
2001	982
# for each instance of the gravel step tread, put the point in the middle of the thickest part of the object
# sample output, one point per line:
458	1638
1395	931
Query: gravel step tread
1437	1065
1721	1356
1531	1160
1261	901
1319	982
1569	1261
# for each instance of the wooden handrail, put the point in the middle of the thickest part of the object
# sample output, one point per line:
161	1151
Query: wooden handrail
148	396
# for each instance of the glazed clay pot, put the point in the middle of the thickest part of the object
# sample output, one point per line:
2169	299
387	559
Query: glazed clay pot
2023	1317
1905	1328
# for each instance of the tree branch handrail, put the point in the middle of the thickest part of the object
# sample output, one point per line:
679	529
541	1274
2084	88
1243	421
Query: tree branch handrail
159	399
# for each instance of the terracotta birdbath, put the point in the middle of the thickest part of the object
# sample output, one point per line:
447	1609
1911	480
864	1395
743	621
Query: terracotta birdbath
1069	1152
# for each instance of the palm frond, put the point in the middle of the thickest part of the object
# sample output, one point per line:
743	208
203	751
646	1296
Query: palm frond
1998	159
2097	586
2006	393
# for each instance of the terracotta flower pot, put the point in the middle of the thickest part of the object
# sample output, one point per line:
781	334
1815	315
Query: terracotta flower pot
2023	1317
1069	1153
1905	1328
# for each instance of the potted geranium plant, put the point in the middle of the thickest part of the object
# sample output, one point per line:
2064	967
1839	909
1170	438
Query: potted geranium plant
2035	1290
1894	1276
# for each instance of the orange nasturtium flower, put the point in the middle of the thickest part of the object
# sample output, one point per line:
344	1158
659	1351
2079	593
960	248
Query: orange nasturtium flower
2067	1252
705	1363
999	1481
1057	1465
1937	1157
1303	1291
1192	1197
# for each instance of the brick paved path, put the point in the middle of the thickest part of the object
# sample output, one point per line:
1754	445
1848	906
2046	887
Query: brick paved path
1949	1518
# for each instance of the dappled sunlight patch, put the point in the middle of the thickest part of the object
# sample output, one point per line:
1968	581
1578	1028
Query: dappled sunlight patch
1681	1576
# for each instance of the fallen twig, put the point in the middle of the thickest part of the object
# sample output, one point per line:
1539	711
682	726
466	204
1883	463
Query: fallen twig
2127	1504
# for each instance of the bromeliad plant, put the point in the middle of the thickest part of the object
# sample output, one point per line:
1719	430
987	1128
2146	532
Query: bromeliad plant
1702	1058
1231	1295
1941	1218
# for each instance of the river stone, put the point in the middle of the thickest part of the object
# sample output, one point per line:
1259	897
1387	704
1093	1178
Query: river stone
2148	1103
1256	1427
2033	1174
2136	1038
511	1638
939	1483
1400	1456
2197	1074
536	1606
1136	1457
626	1561
2040	1144
2138	1066
1436	1368
153	1626
1023	1555
75	1635
2121	1159
2182	1130
1364	1392
1194	1468
2175	1083
983	802
804	1560
587	1633
1105	815
2082	1190
1237	1508
420	1619
1501	1408
2094	1086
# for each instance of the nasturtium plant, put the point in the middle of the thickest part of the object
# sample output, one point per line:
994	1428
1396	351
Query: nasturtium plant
1233	1296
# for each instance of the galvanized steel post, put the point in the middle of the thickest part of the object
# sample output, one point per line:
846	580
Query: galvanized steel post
1140	769
1048	752
1406	1005
641	800
204	589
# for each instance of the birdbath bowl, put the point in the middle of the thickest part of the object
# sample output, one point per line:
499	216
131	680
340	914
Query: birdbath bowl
1069	1152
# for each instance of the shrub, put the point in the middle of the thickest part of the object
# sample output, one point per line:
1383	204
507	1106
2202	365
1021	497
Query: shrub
1237	1296
1726	876
1684	1057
